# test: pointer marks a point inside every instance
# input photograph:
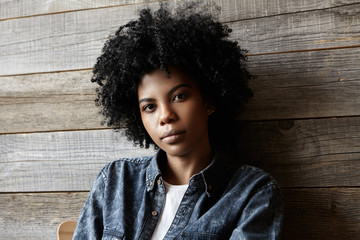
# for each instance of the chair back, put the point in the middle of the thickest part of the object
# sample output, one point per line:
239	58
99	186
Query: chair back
66	230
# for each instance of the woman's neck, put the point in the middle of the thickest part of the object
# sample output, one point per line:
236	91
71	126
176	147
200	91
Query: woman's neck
179	169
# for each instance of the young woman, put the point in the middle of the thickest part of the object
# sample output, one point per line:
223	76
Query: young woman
175	82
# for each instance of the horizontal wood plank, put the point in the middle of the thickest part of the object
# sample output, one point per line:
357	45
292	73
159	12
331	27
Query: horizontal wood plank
305	85
231	10
330	213
37	215
48	84
324	28
293	85
45	102
73	40
322	214
28	8
51	112
303	153
59	161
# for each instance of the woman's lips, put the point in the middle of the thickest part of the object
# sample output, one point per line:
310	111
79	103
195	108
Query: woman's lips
172	137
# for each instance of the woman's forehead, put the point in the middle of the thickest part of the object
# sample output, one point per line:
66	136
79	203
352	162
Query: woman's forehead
159	80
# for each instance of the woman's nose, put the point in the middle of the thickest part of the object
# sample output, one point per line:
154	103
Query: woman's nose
167	115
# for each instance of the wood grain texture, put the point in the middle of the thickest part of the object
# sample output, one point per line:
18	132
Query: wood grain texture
292	85
51	113
44	102
37	216
244	9
59	161
323	28
305	85
50	84
26	8
322	214
330	213
74	40
303	153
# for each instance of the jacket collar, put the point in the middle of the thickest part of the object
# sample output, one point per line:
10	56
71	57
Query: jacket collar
153	171
213	177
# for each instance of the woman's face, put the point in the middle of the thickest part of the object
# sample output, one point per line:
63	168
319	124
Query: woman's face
174	112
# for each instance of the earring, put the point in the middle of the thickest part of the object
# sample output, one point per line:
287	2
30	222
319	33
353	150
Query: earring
210	110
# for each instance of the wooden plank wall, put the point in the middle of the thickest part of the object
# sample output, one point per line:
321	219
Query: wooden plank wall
303	125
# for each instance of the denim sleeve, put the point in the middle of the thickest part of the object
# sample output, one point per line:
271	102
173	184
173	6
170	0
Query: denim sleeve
90	223
262	216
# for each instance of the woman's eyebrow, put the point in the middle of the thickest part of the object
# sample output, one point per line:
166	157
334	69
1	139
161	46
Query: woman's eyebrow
177	87
169	93
146	100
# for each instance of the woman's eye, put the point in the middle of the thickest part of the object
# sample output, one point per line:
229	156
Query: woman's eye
179	97
148	107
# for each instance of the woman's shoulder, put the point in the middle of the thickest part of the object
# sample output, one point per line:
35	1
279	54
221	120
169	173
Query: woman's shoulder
134	161
126	165
252	171
255	179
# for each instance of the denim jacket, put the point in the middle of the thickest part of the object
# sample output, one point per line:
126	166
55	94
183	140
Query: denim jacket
128	195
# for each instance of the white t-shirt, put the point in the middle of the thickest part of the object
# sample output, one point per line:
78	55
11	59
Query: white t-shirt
174	195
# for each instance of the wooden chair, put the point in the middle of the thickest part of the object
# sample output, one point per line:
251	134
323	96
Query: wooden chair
66	230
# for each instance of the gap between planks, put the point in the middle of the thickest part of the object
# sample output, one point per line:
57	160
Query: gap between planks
244	121
296	12
87	191
62	130
80	10
304	50
247	55
45	192
151	2
320	188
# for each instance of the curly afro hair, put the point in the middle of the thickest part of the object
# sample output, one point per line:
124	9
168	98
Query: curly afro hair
187	38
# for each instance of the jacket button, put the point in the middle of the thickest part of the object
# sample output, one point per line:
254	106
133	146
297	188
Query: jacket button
154	213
